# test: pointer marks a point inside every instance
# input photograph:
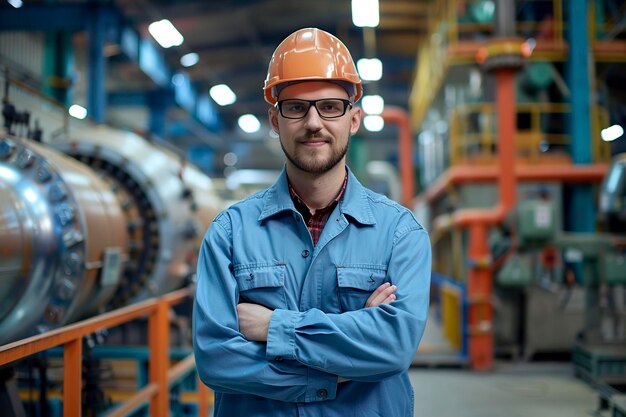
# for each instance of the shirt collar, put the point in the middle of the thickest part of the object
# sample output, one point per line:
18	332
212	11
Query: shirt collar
354	203
300	204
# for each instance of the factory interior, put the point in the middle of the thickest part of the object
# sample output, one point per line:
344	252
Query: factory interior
128	125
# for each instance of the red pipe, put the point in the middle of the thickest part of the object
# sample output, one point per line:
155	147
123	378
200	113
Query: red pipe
562	173
399	116
480	279
505	102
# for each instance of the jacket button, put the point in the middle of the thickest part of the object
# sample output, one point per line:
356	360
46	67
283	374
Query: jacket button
322	393
305	253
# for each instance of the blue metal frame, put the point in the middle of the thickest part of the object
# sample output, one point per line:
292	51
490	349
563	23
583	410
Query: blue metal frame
158	103
96	97
105	22
141	355
581	212
58	62
44	17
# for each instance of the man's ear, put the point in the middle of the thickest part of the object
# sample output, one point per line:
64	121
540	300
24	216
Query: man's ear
272	114
356	114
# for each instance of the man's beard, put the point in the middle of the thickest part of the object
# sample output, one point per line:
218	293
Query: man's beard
314	165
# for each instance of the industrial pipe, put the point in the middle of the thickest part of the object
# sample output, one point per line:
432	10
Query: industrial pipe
400	117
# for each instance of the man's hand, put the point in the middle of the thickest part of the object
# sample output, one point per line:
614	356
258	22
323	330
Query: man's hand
254	321
382	295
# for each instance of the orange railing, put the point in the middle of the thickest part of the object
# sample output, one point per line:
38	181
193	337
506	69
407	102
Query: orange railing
473	133
161	375
453	40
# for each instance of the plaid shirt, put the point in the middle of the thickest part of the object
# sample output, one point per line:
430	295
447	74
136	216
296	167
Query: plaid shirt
316	222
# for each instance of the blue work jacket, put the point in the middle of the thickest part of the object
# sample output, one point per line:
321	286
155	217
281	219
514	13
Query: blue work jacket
260	251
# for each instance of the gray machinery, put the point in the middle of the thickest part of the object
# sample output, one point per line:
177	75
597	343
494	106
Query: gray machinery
600	357
560	290
79	238
540	304
168	205
613	197
62	239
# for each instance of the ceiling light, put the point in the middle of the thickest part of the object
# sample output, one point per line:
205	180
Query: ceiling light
611	133
230	159
77	111
373	104
249	123
370	69
365	13
189	60
165	33
222	94
373	123
178	79
16	3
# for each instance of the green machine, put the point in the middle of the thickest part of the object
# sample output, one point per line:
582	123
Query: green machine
600	355
539	307
535	225
559	291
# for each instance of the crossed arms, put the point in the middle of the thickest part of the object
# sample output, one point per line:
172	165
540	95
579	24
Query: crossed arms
254	319
306	351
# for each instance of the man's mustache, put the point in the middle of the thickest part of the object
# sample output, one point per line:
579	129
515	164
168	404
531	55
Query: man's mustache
313	136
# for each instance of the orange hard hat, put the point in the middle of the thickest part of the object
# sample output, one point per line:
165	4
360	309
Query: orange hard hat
311	55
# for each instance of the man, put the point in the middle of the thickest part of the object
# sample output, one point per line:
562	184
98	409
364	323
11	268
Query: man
312	295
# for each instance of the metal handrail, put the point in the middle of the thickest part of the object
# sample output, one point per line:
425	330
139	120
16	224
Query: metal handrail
161	375
483	139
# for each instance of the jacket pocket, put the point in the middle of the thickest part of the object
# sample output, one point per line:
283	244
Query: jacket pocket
262	284
357	283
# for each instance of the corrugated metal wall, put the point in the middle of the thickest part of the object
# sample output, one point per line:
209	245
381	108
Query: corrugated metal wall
23	52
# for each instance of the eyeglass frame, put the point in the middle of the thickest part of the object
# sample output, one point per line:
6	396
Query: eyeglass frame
313	103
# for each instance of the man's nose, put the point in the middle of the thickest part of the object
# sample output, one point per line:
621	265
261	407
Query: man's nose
312	120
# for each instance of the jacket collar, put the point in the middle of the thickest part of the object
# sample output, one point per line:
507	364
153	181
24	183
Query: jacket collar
354	202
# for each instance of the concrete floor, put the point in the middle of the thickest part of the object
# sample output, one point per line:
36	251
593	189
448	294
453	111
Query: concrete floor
510	390
445	387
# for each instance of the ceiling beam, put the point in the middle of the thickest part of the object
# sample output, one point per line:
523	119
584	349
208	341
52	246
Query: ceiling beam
404	7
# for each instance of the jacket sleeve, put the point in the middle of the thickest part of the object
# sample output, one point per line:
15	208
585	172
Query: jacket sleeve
368	344
226	361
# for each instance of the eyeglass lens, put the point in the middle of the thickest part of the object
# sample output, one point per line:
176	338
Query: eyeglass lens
328	108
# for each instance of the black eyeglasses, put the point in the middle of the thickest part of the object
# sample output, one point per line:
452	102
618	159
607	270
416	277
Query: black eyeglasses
327	108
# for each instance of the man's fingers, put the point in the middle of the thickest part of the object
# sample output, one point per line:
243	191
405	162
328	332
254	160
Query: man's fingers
379	290
376	293
380	299
381	295
389	299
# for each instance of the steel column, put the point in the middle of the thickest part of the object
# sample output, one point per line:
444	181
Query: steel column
159	101
96	95
581	210
58	62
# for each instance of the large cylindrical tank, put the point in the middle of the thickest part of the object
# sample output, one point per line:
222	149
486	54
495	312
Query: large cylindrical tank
62	239
168	205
